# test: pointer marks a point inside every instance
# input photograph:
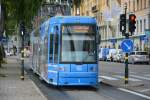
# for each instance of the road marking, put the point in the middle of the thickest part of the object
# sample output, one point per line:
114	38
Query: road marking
140	77
135	93
108	78
133	72
99	80
147	75
145	90
131	79
38	90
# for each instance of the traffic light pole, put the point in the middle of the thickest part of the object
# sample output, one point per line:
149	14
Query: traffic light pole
126	55
126	66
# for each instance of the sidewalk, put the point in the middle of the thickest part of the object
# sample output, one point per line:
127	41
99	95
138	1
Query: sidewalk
12	87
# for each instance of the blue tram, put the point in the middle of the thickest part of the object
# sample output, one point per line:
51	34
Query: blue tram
64	51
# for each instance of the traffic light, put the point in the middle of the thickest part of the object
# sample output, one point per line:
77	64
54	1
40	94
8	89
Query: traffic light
132	23
123	23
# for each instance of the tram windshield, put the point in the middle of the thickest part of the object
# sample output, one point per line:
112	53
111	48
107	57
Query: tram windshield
78	44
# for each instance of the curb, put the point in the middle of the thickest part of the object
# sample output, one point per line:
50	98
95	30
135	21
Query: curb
120	84
38	90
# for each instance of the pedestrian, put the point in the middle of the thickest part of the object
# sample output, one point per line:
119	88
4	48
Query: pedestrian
14	49
3	51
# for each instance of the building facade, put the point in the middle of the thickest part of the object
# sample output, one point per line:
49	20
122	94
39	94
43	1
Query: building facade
141	8
107	13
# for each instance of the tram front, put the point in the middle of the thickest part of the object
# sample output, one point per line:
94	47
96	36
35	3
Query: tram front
78	55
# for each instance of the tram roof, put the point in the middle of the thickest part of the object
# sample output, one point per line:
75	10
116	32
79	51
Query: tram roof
72	19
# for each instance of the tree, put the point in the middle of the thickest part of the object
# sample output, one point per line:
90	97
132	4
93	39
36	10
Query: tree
17	11
21	11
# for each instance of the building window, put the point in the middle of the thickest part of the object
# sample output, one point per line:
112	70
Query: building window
137	4
141	4
87	13
137	25
144	3
140	25
144	24
133	5
129	6
78	11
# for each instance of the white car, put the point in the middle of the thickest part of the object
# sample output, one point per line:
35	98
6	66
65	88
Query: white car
110	55
138	56
118	55
8	53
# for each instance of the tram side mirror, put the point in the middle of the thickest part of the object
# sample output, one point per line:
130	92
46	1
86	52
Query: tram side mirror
98	36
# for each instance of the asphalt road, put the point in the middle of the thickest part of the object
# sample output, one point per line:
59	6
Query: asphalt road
137	73
118	68
105	92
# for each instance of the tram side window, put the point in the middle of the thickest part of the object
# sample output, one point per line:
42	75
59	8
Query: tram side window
56	45
56	49
45	46
51	48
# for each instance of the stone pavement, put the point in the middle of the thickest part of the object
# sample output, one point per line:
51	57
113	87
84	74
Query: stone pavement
12	87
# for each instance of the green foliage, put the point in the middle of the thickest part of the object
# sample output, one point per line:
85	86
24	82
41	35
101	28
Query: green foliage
21	10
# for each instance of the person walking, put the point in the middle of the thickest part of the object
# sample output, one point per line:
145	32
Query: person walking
14	50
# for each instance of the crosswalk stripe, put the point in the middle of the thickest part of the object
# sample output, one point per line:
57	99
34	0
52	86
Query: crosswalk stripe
133	72
148	75
135	93
140	77
131	79
145	90
108	78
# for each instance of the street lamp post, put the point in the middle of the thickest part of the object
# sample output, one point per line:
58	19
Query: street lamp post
22	28
22	57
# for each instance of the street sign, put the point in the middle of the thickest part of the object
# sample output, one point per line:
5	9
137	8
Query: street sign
127	45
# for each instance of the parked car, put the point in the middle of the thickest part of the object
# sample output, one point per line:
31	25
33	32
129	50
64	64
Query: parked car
117	56
9	53
103	52
122	57
138	56
111	54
